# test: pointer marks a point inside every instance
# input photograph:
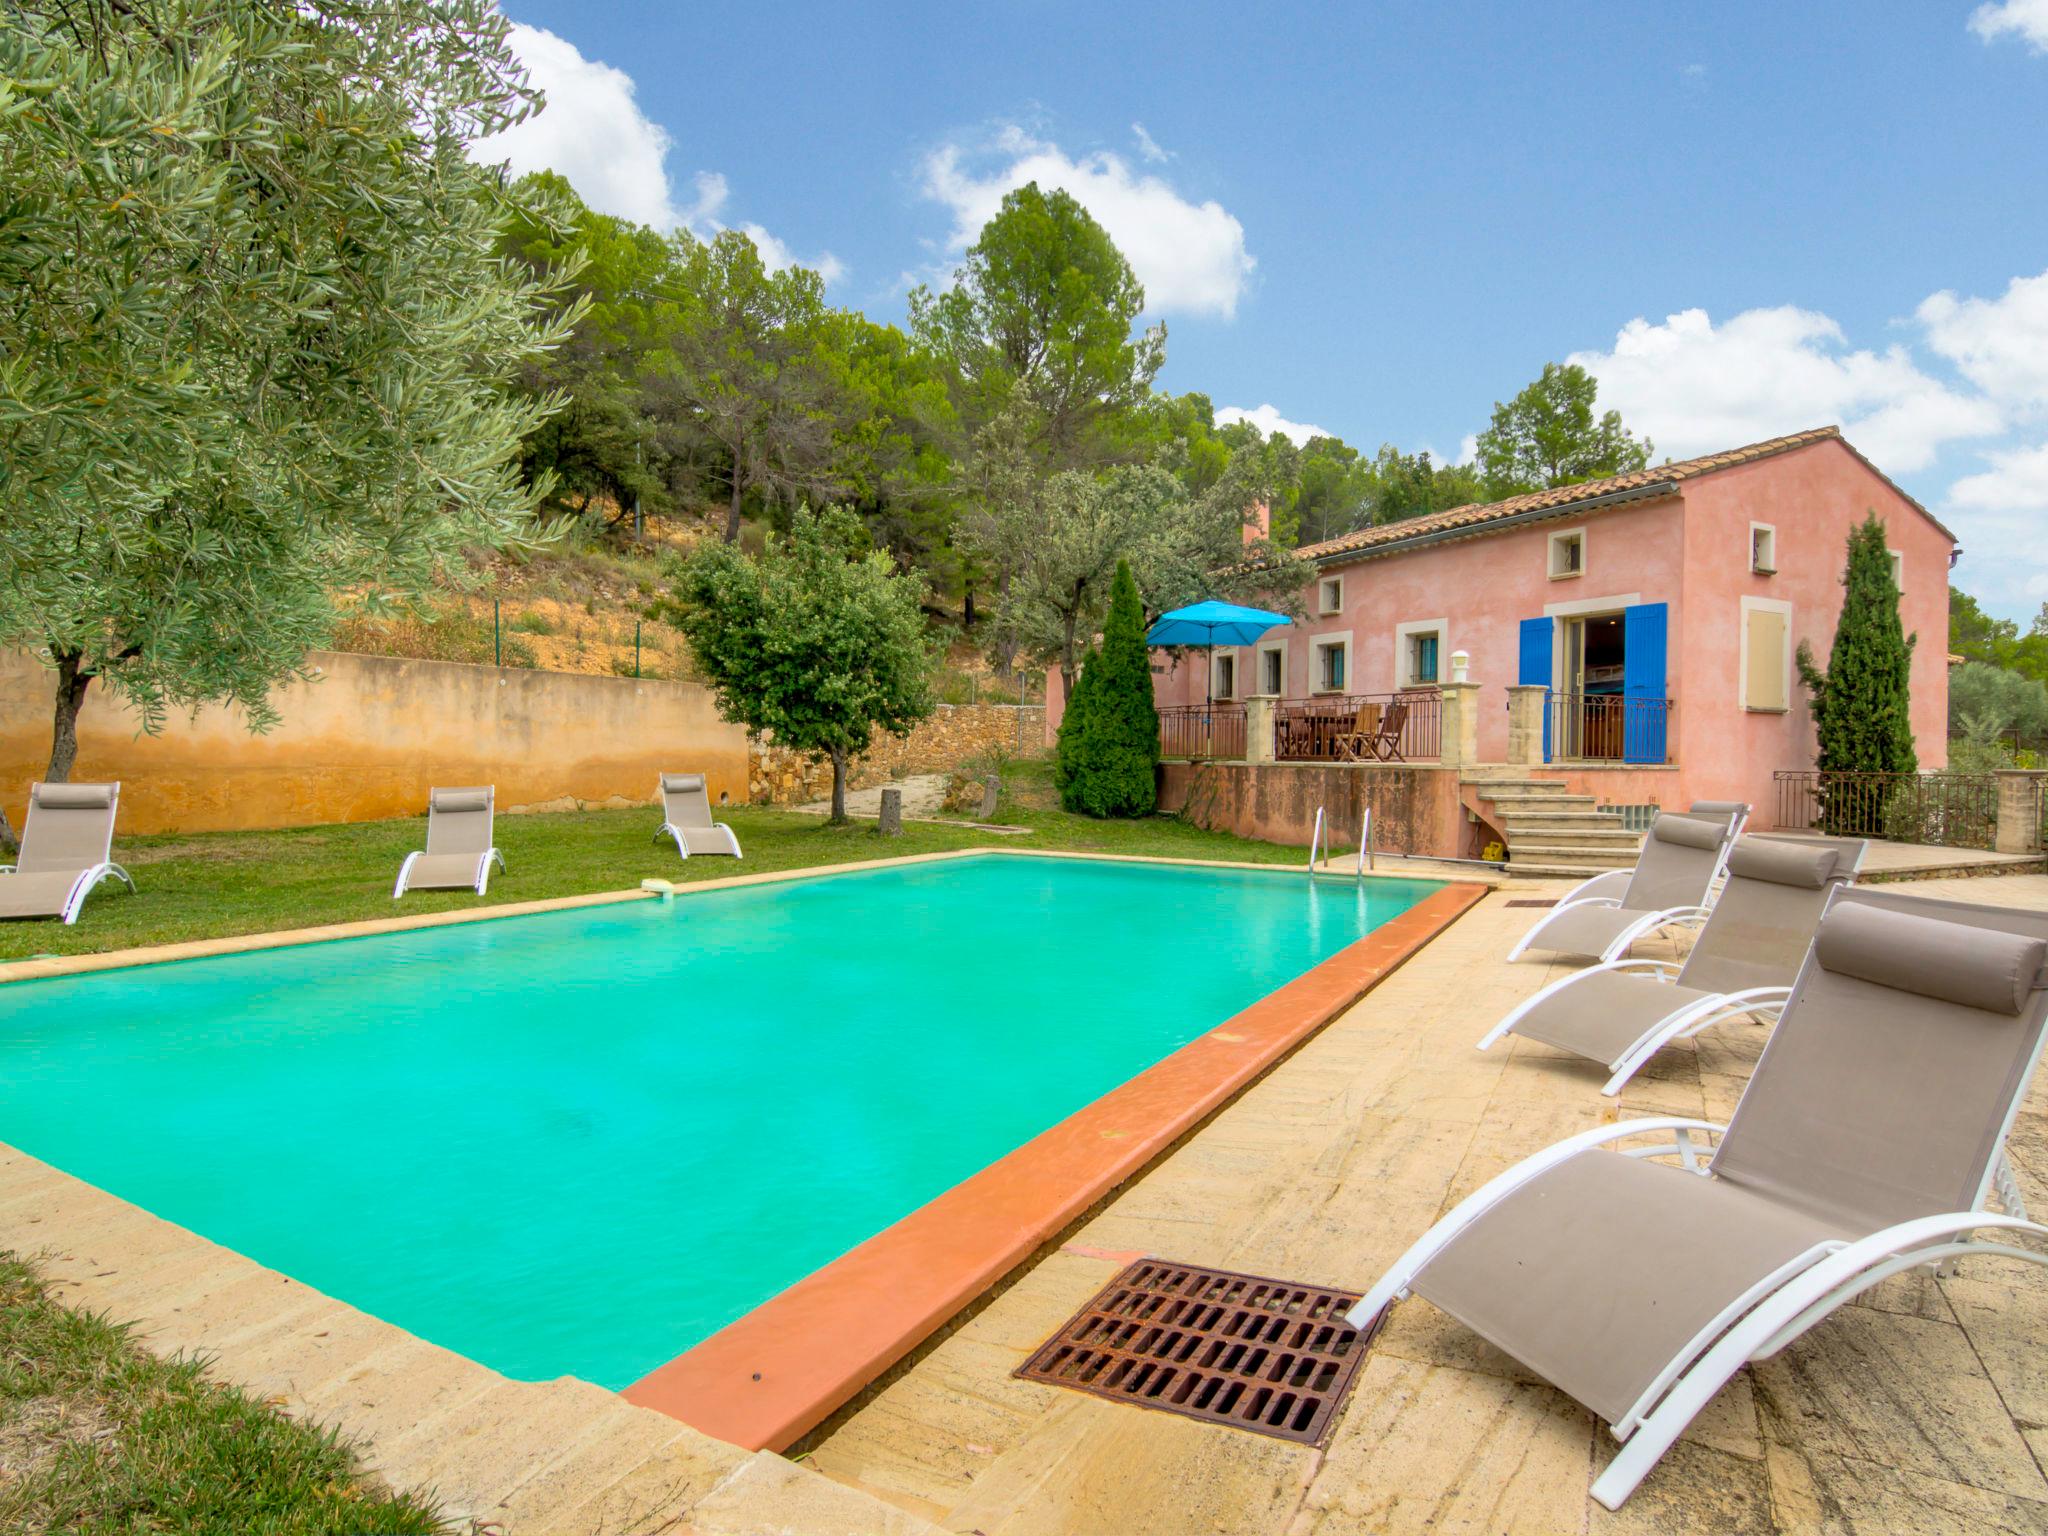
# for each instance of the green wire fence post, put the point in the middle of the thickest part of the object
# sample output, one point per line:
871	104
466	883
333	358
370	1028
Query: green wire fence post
636	647
497	637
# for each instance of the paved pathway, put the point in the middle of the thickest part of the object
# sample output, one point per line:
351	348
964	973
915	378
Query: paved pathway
924	794
1922	1408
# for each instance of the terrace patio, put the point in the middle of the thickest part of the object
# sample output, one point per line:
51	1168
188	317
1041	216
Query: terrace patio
1923	1407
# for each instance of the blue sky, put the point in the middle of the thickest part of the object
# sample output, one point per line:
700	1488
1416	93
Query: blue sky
1745	219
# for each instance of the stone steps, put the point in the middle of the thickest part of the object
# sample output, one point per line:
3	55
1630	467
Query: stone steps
1550	832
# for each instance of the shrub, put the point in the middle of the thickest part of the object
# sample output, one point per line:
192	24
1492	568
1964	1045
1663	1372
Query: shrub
1108	755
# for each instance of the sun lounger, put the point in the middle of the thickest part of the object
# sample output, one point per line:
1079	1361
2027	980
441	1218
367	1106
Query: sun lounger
1869	1142
67	849
686	807
459	852
1670	885
1615	881
1622	1012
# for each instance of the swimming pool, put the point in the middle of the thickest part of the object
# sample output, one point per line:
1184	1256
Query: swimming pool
578	1142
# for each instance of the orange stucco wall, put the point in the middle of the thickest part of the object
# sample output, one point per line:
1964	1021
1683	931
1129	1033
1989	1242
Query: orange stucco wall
369	736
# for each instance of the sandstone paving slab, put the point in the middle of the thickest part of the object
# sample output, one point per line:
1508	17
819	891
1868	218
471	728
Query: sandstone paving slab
1827	1495
1698	1487
1103	1469
769	1496
1876	1386
620	1439
1429	1449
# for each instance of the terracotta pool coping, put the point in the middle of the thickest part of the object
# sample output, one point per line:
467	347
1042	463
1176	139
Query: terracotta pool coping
770	1377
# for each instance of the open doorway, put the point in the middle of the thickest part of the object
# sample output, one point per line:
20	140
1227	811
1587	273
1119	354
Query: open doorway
1588	702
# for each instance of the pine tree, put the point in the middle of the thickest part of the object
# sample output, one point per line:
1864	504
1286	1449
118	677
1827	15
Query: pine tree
1108	754
1861	707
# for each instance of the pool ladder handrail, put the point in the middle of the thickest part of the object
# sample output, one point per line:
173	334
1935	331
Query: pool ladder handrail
1365	844
1315	841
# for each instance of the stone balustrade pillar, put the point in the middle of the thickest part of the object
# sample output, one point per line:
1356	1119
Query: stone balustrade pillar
1459	737
1526	703
2019	810
1261	719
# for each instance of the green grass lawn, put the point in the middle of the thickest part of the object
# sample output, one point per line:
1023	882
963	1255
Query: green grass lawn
207	885
98	1437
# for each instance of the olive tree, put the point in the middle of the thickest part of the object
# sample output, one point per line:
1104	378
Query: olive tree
254	326
818	640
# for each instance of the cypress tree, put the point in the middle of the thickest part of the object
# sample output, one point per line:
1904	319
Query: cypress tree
1861	708
1108	753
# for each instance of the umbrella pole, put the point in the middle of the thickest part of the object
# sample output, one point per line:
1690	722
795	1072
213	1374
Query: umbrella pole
1209	697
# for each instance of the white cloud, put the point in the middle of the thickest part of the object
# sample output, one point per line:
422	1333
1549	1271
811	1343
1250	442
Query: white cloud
2000	345
2016	482
1268	420
1190	256
593	132
2027	19
1148	147
775	255
1693	387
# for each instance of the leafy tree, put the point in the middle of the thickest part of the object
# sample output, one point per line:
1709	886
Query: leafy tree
1548	436
743	356
1975	634
1108	753
1063	548
1860	703
255	318
1404	485
1039	319
1986	702
817	640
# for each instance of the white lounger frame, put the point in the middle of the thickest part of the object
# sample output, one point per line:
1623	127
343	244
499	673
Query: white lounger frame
90	877
1763	1320
1766	1003
678	834
484	862
1607	890
1680	1024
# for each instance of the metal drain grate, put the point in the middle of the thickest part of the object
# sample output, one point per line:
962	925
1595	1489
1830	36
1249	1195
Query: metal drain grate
1271	1356
1531	901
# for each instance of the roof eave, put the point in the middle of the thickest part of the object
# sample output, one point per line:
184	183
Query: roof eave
1654	491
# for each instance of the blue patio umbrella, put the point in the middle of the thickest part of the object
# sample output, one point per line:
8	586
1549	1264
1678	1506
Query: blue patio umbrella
1212	624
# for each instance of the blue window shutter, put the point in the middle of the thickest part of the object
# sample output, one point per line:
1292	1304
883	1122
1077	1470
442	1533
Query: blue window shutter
1535	667
1645	646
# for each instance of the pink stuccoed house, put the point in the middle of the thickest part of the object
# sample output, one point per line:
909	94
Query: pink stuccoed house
1618	645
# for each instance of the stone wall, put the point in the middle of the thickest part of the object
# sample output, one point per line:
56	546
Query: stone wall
367	736
1415	806
953	734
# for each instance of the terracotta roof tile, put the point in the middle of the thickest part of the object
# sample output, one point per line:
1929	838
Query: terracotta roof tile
1562	498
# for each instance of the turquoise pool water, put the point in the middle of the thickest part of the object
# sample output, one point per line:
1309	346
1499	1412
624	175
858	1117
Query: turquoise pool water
579	1142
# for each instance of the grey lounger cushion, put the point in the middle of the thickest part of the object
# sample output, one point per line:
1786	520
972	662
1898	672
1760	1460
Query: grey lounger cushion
1969	966
1689	831
74	797
1803	864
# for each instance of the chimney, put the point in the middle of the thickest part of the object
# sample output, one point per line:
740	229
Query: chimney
1261	524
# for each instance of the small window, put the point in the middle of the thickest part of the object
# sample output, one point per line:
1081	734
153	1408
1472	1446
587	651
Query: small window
1898	569
1272	672
1226	677
1766	658
1763	549
1567	554
1422	652
1330	666
1330	594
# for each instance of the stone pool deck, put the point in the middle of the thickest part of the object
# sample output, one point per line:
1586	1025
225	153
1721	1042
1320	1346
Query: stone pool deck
1921	1408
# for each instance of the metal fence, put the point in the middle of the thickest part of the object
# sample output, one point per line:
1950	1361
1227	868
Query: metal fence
1202	730
1950	810
1608	728
1330	729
